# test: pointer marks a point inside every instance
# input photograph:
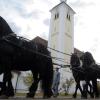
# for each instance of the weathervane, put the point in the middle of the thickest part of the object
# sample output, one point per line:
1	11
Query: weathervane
63	0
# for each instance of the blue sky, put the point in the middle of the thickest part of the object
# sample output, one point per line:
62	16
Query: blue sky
30	18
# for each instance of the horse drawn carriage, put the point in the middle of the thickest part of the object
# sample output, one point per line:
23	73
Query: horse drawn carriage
19	54
89	72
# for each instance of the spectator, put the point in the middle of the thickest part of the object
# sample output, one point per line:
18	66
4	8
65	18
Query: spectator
56	82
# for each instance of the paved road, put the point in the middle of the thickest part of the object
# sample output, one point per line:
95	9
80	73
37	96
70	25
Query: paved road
40	98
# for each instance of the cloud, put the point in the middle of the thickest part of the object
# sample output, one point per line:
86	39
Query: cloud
24	16
86	18
14	27
36	14
81	3
48	3
47	22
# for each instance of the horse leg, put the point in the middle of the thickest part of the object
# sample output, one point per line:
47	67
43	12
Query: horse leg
10	86
80	90
77	86
33	88
75	93
7	88
47	80
7	81
3	90
91	90
1	86
47	90
85	90
95	89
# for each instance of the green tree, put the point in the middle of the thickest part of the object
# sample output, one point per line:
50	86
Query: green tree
67	85
28	79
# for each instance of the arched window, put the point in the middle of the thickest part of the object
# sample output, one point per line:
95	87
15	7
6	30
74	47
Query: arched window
68	17
56	16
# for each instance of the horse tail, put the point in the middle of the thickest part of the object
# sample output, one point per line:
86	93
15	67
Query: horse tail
48	79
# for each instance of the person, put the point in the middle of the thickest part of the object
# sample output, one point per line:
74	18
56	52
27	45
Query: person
56	82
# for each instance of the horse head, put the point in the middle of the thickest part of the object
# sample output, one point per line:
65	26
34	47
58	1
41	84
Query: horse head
87	59
74	61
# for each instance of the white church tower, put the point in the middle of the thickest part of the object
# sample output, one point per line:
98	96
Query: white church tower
61	32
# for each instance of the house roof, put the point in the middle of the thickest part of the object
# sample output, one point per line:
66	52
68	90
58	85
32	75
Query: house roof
79	53
40	40
61	4
45	43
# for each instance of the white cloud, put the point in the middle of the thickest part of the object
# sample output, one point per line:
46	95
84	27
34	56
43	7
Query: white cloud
30	18
87	22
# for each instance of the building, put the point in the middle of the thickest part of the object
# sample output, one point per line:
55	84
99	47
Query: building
61	32
65	72
61	36
45	43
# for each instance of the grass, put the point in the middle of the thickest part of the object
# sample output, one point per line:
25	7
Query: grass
40	94
24	94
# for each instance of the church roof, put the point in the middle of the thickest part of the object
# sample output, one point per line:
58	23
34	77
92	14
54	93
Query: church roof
40	40
65	4
45	43
79	53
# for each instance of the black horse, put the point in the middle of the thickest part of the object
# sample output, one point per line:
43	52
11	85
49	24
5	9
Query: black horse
22	55
92	71
79	75
4	30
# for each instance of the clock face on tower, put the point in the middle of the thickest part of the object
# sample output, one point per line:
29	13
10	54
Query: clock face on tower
63	0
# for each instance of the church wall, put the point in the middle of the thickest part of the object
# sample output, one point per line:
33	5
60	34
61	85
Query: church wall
62	36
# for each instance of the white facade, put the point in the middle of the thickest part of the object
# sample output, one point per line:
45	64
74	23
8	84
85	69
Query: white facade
61	37
61	33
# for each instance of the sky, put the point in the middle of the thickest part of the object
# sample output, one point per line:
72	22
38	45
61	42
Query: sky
31	18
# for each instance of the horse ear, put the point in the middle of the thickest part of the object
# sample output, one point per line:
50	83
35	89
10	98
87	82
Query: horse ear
6	29
81	57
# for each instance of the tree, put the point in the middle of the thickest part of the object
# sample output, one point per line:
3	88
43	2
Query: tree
28	79
67	85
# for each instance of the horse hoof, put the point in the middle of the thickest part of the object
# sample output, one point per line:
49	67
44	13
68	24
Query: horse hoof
3	97
10	94
55	95
92	96
74	96
46	97
97	96
83	97
30	95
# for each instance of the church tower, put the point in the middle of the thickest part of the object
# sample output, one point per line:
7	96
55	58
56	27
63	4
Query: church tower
61	32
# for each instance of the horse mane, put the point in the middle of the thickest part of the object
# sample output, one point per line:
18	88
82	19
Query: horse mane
88	58
74	61
4	28
39	47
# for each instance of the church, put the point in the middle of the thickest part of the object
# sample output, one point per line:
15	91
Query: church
61	38
61	31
